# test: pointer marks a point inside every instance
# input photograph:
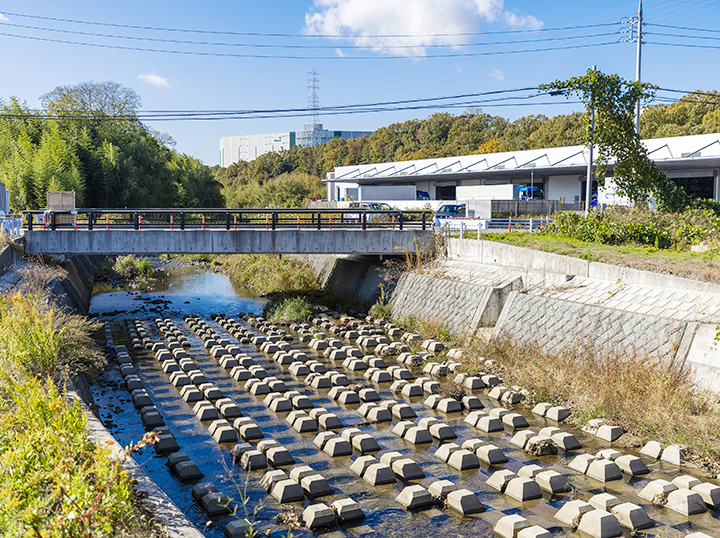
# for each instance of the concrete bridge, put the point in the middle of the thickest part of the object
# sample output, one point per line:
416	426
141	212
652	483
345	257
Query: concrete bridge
237	231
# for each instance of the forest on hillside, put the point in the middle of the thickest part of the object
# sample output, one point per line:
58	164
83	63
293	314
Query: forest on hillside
88	139
298	172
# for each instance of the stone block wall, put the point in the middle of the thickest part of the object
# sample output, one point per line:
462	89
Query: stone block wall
457	306
554	325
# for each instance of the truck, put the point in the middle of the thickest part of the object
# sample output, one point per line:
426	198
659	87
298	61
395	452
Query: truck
385	193
507	191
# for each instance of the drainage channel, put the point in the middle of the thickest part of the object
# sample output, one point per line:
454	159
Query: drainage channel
382	505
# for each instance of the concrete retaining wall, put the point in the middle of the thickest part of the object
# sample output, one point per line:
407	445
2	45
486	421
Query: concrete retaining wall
457	306
8	258
529	260
555	325
350	277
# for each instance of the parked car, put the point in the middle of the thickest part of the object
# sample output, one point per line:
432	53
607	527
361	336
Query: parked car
422	195
449	211
531	193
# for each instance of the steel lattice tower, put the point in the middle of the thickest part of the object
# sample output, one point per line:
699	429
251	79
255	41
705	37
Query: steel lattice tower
314	127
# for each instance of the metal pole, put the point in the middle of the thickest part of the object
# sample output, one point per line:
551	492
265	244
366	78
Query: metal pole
588	186
638	62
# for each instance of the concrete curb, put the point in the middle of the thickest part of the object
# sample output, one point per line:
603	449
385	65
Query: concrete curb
177	525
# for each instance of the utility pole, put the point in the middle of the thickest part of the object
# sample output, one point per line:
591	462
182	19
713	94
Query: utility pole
588	182
637	62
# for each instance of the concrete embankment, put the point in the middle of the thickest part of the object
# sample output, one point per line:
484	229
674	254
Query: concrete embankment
558	302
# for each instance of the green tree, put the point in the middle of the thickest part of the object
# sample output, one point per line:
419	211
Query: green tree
614	100
96	98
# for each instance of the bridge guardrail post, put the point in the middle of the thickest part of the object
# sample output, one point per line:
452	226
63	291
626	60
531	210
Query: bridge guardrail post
30	222
52	221
274	220
363	219
401	220
90	221
182	221
227	220
424	222
319	220
136	222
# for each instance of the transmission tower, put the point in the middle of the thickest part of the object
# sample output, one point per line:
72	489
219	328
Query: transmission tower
314	127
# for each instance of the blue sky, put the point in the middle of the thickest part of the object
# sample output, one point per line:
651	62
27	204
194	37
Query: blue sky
367	64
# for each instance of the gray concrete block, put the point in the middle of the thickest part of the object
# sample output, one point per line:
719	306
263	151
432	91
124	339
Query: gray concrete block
710	493
685	502
378	474
464	502
632	465
287	491
657	489
632	516
572	511
600	524
652	449
215	504
523	489
365	443
491	455
604	501
552	482
270	478
463	460
489	424
347	510
360	465
253	459
414	497
521	438
510	526
238	528
406	469
604	471
315	485
674	454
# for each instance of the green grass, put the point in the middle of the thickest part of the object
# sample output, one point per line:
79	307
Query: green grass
130	267
269	274
699	266
288	310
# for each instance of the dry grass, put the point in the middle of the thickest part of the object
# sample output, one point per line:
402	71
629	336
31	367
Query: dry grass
646	397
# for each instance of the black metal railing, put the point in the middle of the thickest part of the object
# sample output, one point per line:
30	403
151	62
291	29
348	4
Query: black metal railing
225	219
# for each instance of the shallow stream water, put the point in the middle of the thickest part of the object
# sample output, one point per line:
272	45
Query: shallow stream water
197	291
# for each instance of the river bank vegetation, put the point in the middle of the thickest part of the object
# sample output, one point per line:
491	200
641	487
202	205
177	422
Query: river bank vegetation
55	481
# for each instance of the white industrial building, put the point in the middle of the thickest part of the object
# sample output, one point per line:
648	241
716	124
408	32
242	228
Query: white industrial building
691	161
250	147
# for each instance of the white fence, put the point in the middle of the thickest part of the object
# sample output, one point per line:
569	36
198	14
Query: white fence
481	226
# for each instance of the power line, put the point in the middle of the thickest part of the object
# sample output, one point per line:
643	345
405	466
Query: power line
280	46
684	28
296	57
260	34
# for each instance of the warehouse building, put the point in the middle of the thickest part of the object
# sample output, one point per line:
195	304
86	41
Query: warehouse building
693	162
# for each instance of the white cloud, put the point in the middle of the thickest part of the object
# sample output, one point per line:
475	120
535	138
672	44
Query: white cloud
155	80
458	69
365	20
340	53
497	75
3	18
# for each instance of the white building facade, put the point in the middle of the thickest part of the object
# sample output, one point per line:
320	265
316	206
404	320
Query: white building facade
250	147
693	162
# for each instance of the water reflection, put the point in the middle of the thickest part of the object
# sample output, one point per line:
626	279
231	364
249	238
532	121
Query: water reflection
178	291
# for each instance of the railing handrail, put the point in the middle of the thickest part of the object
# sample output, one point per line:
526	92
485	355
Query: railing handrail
228	210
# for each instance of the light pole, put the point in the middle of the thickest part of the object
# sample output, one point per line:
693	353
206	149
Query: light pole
588	186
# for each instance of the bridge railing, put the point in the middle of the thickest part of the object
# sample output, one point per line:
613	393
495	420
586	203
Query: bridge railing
225	219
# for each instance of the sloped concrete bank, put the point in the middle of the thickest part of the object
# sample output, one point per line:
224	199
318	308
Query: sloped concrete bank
554	302
74	291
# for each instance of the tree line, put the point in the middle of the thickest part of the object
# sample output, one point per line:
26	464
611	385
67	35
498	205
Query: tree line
88	139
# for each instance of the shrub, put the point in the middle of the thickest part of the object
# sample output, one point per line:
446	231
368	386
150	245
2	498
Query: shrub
288	310
131	267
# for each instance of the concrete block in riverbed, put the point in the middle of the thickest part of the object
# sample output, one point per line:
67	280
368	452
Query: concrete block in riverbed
187	471
571	512
464	502
211	392
515	420
473	417
498	412
523	489
600	524
168	366
491	455
674	454
556	413
441	488
449	405
604	470
196	377
552	482
632	516
500	479
411	390
417	435
608	454
581	462
445	450
205	410
238	528
609	433
632	465
535	531
686	481
279	457
710	493
175	458
336	447
463	460
380	376
652	449
364	443
530	470
378	414
216	504
132	382
407	469
348	397
497	392
247	429
304	424
541	409
510	526
278	405
152	419
298	369
414	497
489	424
472	403
402	427
656	489
403	411
240	373
432	401
473	383
442	431
224	433
318	515
270	478
347	510
685	502
378	474
322	438
141	398
288	491
566	441
329	421
315	485
228	362
369	395
604	501
521	438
